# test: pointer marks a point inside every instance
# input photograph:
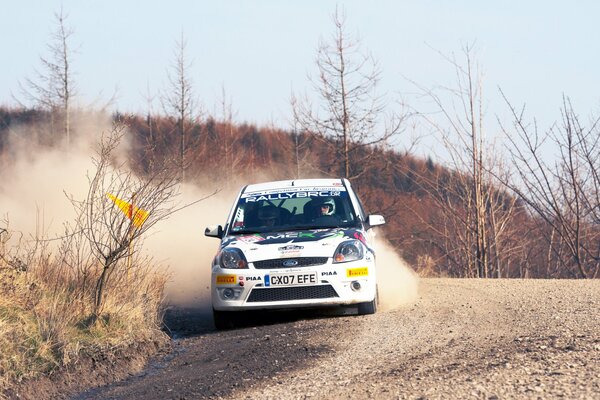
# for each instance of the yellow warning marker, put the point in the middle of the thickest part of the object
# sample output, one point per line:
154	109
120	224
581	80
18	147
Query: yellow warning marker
137	215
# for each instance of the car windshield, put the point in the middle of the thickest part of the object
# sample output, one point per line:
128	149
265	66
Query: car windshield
293	209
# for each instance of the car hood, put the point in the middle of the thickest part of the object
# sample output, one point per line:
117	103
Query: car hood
306	243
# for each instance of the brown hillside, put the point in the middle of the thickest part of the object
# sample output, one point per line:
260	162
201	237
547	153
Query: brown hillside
414	194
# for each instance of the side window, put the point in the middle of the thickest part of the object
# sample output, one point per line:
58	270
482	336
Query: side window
362	209
356	201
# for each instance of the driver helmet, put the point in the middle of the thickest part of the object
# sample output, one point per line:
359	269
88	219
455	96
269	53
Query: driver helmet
330	204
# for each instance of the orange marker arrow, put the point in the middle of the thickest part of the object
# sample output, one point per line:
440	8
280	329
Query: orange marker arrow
136	214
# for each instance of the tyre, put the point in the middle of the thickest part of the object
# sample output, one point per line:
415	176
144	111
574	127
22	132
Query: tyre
369	307
225	320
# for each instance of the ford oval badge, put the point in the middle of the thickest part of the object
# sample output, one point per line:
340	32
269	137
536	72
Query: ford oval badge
290	263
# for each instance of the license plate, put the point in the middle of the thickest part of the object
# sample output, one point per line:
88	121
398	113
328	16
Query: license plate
296	279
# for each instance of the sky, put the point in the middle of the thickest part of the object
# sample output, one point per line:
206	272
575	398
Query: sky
261	51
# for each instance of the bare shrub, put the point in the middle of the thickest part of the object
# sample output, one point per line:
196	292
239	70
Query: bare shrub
119	208
91	289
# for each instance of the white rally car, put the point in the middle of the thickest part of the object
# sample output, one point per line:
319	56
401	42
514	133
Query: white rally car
290	244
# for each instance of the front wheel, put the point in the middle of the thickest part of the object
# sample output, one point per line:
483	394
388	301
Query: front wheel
225	320
369	307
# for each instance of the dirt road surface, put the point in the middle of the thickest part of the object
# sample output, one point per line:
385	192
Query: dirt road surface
478	339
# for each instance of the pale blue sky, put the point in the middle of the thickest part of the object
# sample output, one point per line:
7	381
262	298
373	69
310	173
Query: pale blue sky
261	50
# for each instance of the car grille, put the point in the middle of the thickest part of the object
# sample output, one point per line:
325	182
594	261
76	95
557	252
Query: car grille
292	293
278	263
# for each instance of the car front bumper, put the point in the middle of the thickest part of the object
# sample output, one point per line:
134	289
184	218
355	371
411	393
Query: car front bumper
286	288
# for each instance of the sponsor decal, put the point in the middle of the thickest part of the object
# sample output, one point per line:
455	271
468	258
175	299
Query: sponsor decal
361	237
356	272
291	235
292	195
251	238
334	188
253	278
225	279
290	248
329	273
288	238
293	253
238	219
334	235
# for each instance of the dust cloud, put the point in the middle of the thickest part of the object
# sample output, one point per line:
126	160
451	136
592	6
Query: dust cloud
397	283
32	198
180	244
33	187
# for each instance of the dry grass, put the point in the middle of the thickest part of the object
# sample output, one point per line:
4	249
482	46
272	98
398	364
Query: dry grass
46	305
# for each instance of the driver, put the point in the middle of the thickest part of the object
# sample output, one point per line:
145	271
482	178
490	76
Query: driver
326	207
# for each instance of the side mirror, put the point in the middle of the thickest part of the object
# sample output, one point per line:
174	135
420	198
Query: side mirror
375	220
214	231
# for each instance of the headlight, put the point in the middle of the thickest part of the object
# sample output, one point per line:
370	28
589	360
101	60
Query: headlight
232	259
350	250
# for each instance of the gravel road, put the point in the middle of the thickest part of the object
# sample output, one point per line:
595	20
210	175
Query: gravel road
480	339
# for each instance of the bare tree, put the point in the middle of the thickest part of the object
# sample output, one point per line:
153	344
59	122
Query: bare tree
54	87
300	151
349	109
563	191
473	214
232	157
300	141
179	100
150	141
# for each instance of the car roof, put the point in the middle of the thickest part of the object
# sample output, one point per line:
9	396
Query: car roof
301	183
